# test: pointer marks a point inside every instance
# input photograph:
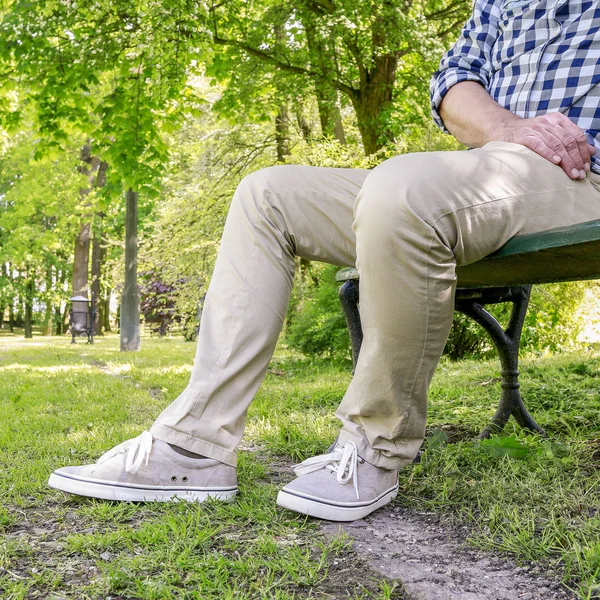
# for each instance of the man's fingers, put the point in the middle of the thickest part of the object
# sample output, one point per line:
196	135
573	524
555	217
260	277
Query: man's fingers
557	139
567	149
576	142
558	157
538	145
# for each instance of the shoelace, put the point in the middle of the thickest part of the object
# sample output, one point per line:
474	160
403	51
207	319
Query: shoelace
342	461
138	451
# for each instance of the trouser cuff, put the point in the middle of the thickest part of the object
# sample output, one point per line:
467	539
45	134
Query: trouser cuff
377	457
193	444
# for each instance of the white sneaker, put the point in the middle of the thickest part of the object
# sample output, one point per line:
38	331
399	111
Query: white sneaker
322	488
145	469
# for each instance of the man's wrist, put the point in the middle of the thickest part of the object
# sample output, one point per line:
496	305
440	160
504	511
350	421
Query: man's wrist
503	128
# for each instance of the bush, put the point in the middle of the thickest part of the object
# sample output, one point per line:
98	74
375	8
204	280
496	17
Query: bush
157	304
316	324
552	324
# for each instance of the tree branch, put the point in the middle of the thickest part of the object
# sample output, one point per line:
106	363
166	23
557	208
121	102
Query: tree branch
284	66
453	8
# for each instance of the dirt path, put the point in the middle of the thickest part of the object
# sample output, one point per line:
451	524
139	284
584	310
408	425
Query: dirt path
431	560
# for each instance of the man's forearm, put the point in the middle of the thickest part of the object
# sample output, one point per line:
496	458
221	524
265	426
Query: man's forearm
473	117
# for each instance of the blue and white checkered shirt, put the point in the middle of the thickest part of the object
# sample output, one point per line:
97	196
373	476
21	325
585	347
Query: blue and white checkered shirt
533	57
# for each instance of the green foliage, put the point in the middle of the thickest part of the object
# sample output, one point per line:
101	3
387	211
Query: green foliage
332	49
316	325
205	169
552	324
553	321
506	446
38	221
115	71
130	80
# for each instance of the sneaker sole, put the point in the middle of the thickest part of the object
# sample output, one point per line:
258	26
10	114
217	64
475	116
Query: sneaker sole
129	493
330	511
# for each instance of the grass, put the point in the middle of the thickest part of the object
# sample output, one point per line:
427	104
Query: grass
531	498
64	404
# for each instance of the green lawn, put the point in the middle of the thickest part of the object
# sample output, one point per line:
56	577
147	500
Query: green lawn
63	404
527	497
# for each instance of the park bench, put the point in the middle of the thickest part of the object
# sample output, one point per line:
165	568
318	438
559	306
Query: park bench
563	254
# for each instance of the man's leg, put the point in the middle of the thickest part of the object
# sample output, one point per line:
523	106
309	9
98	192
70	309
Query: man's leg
276	214
417	216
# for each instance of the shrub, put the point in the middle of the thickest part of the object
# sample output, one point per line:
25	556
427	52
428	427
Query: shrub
316	324
157	304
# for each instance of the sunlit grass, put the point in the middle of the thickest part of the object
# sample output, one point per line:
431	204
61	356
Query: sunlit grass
64	404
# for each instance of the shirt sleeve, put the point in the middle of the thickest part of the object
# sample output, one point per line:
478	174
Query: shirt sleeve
469	59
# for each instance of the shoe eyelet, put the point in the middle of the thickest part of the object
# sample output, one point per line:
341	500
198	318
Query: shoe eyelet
361	460
173	478
184	479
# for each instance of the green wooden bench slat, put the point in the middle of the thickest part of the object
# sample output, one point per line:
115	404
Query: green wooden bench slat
563	254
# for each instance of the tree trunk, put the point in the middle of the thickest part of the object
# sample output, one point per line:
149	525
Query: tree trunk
28	321
57	321
105	313
11	302
130	298
81	266
81	261
65	317
94	170
373	103
47	329
98	253
322	57
282	134
303	124
329	112
59	327
3	306
282	120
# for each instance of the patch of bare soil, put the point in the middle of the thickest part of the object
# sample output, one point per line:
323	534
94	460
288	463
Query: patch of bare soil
42	531
454	432
351	576
432	561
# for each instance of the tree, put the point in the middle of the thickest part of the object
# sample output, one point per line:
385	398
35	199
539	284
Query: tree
376	54
38	207
117	73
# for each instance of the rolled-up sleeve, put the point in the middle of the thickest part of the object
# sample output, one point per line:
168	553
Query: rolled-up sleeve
469	59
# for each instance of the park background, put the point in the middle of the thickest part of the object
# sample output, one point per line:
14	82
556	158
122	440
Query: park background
125	128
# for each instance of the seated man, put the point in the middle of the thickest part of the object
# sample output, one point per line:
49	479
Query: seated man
520	87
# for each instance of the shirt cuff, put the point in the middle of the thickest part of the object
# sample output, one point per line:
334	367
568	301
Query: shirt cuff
441	84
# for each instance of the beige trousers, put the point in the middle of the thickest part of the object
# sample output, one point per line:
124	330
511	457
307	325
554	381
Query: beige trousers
406	225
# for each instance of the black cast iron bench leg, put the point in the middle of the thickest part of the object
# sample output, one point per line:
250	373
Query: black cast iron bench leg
507	342
348	295
471	303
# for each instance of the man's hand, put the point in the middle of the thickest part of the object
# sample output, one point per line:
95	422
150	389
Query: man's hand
475	118
556	138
